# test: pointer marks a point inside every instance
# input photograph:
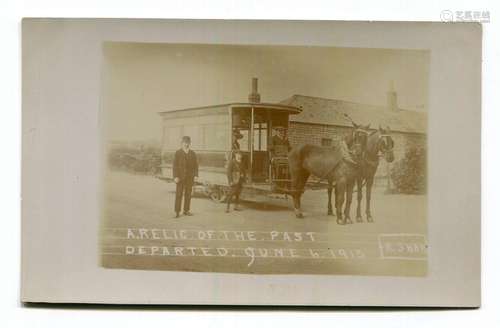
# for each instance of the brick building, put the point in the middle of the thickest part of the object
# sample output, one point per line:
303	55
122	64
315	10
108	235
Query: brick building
322	121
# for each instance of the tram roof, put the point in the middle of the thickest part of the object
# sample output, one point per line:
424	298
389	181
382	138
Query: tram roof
271	106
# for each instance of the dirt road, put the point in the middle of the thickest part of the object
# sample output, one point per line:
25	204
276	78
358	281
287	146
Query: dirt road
139	232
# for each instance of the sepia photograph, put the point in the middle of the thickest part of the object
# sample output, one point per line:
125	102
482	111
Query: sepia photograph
241	162
294	163
264	159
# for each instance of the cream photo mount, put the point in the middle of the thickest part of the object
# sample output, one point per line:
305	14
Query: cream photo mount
64	159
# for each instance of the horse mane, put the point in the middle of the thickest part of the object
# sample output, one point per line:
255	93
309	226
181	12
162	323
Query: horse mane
349	138
372	142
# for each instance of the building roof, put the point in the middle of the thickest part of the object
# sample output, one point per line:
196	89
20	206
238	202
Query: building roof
331	112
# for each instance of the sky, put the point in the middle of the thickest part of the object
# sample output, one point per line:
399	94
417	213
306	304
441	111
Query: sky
139	79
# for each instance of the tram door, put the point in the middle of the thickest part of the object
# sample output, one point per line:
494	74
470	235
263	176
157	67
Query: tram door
251	135
260	167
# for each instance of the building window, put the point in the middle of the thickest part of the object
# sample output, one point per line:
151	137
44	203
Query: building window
326	142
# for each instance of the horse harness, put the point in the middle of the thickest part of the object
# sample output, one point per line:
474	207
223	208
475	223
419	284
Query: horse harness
382	137
351	152
373	163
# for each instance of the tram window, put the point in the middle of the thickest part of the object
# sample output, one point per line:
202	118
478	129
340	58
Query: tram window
194	131
173	137
260	136
244	143
215	136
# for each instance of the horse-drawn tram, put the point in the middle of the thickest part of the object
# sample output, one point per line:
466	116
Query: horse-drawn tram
255	129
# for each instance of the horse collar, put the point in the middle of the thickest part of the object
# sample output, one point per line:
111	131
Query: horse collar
373	163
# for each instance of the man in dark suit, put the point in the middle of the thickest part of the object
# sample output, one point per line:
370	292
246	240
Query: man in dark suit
185	170
236	174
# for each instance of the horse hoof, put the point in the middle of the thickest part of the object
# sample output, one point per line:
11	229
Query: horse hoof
330	213
359	219
369	219
299	216
340	222
348	220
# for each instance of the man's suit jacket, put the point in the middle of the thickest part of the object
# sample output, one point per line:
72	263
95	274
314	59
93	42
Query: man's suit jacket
185	165
279	147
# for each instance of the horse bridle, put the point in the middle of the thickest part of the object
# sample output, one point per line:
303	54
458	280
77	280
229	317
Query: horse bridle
357	132
384	138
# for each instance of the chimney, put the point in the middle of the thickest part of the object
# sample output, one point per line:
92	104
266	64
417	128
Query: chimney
392	98
254	97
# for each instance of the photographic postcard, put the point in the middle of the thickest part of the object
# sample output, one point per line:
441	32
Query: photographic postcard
291	155
265	105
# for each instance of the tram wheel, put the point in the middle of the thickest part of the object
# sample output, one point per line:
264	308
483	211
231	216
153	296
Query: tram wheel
217	194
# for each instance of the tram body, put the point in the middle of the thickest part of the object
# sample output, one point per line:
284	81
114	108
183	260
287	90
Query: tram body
211	130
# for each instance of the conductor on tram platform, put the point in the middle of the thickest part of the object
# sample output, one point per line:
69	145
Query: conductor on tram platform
280	146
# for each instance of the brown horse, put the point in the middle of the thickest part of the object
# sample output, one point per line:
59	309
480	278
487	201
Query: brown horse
329	164
379	143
